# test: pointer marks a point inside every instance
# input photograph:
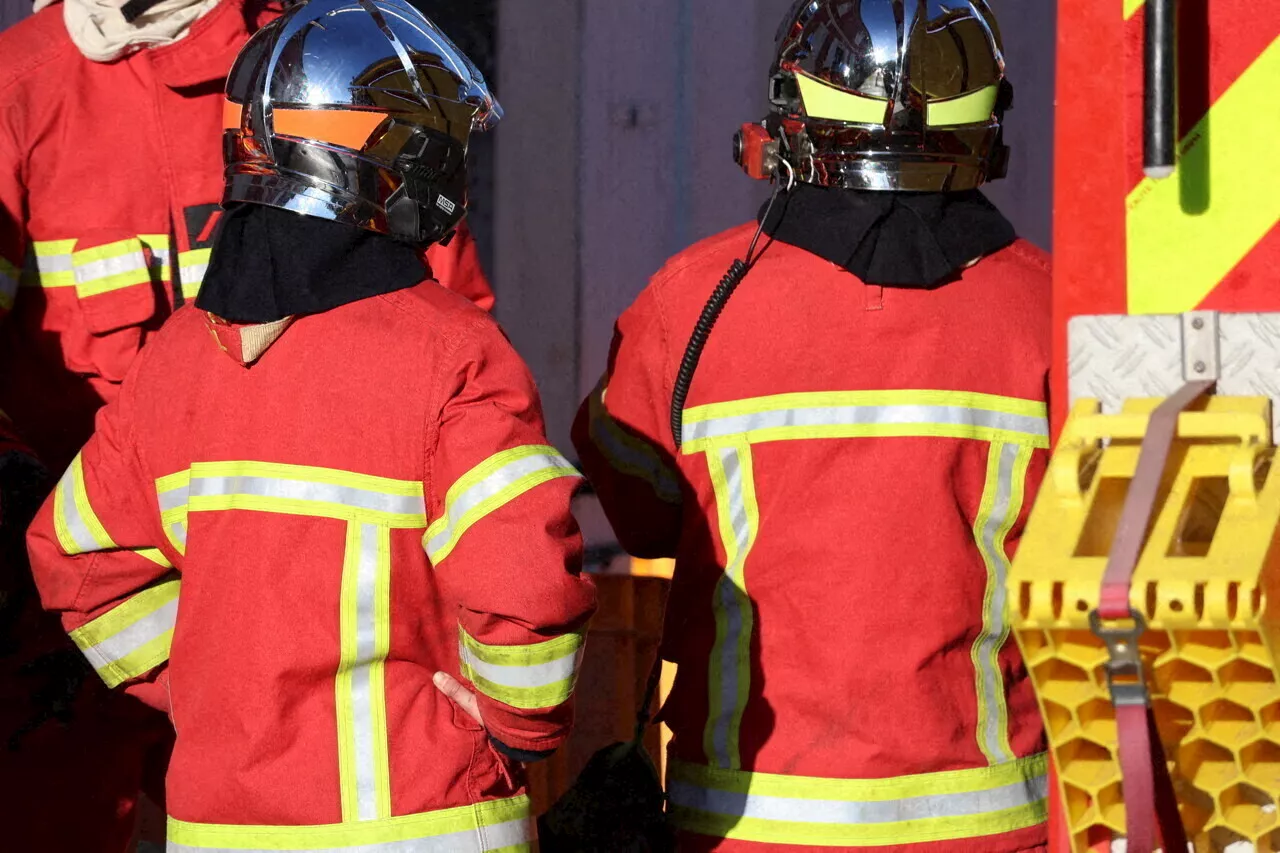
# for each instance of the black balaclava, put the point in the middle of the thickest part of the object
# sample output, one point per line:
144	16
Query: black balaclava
268	264
892	239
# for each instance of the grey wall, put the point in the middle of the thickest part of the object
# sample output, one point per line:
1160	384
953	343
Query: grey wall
11	11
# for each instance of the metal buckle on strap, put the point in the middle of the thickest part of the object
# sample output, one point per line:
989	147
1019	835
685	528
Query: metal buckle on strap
1125	679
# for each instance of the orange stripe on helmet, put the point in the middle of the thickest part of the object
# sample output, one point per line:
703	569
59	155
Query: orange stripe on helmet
346	128
231	112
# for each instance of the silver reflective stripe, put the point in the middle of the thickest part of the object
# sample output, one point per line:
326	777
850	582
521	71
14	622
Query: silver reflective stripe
53	263
510	834
731	592
76	526
361	687
107	267
990	680
179	530
173	499
159	263
535	675
271	487
491	486
193	275
729	803
134	637
866	415
631	455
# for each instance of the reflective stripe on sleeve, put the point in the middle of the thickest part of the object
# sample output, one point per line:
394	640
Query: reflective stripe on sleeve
158	245
132	638
769	808
113	266
855	414
627	453
172	493
49	264
541	675
496	826
192	266
489	486
1000	507
77	526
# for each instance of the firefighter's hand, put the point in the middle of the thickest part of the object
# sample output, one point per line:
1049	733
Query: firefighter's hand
462	697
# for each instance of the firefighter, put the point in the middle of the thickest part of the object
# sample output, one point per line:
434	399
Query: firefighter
326	487
844	479
110	176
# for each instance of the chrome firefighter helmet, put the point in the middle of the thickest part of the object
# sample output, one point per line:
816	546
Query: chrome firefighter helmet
356	111
902	95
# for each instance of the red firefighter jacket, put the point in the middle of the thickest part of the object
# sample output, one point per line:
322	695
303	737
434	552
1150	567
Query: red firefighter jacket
110	178
856	469
372	501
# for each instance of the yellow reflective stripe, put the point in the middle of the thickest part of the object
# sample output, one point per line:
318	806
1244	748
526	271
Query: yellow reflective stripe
170	482
507	825
627	453
192	266
548	651
1001	504
729	677
109	267
154	555
822	100
770	808
76	525
539	675
1176	256
488	487
172	493
158	244
832	399
1131	8
308	491
969	108
855	414
360	684
133	637
49	264
308	474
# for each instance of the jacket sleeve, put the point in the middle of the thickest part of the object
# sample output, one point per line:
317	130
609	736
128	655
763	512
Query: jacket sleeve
506	547
623	437
457	267
96	561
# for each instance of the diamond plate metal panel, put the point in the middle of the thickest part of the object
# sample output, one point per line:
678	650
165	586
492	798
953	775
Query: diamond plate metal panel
1250	353
1116	357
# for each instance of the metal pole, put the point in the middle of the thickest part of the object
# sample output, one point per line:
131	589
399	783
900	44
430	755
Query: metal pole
1160	129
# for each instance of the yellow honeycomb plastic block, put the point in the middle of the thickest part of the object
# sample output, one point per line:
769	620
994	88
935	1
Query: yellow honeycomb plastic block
1205	583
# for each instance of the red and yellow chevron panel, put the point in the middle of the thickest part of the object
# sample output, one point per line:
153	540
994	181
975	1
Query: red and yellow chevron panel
1207	237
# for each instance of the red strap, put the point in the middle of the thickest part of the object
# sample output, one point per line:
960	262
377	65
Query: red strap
1140	504
1148	789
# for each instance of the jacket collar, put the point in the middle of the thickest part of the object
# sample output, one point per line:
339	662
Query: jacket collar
209	49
